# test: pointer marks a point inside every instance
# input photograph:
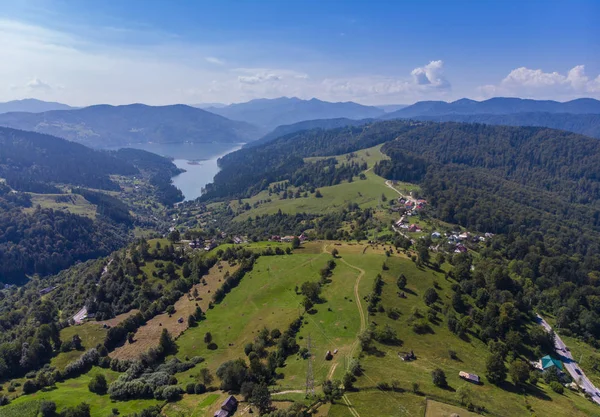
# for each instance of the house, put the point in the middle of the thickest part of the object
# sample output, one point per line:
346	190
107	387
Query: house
194	244
275	238
303	237
460	249
237	240
464	236
287	238
228	407
436	235
548	362
469	377
414	228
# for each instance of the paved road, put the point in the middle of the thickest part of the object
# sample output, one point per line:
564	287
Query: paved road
80	316
570	364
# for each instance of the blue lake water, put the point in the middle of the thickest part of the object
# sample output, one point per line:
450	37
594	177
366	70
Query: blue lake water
198	174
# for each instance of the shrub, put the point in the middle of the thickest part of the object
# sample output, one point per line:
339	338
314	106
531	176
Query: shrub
47	408
98	384
190	388
199	389
82	410
29	387
4	400
83	364
439	378
557	387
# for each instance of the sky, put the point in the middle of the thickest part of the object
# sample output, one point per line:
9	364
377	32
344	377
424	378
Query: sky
372	52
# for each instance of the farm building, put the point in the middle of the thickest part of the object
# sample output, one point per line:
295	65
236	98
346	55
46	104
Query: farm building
228	407
469	377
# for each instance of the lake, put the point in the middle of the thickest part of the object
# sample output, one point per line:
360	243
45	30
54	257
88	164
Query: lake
198	174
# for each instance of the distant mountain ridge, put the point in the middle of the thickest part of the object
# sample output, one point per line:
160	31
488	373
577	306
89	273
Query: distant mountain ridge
585	124
270	113
308	125
496	105
32	105
111	126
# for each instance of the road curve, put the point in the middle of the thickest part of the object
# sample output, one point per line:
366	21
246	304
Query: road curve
570	364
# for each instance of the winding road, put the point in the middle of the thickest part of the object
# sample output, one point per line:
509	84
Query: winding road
570	364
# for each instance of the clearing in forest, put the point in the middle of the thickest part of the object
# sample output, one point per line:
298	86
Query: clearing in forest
147	336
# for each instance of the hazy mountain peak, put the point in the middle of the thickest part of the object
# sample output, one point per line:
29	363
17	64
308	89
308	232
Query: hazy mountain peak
270	113
31	105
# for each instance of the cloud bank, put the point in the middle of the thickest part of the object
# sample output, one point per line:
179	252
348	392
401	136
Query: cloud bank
535	83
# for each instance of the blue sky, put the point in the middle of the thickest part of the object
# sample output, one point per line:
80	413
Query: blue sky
373	52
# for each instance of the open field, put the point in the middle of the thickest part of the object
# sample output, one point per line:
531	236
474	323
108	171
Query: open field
74	391
366	193
438	409
370	155
195	405
432	351
148	335
91	334
264	298
73	203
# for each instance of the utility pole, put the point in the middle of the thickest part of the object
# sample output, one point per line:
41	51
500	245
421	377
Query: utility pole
310	379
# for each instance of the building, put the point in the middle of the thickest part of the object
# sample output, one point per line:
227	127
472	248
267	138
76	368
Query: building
436	235
414	228
469	377
228	407
548	362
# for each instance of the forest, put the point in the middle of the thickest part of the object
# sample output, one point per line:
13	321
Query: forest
47	241
537	188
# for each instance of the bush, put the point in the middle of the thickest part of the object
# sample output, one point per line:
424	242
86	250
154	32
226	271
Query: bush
29	387
98	384
199	389
82	410
439	378
83	364
172	393
557	387
190	388
47	408
4	400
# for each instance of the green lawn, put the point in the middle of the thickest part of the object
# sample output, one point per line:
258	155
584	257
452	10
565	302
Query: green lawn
74	391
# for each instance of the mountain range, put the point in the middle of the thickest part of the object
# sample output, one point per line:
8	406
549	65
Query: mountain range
496	105
270	113
113	126
31	105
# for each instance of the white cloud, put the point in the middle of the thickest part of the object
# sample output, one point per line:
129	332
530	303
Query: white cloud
536	83
37	84
431	74
80	71
213	60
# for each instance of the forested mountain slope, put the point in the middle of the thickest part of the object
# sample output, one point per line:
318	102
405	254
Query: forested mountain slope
308	125
251	169
111	126
41	240
585	124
